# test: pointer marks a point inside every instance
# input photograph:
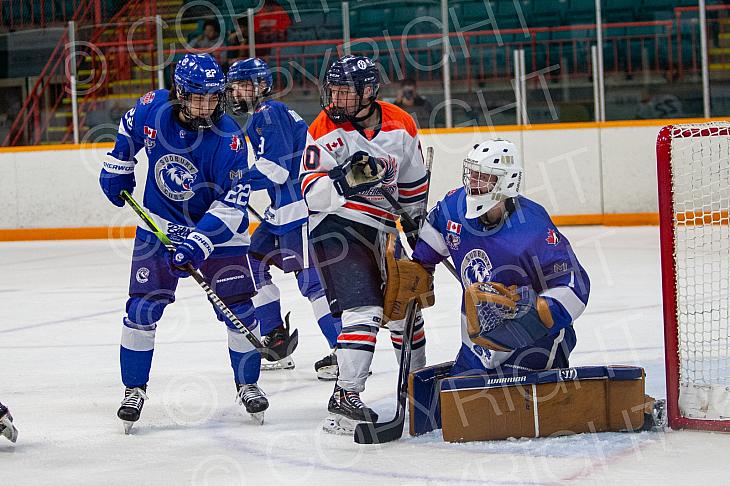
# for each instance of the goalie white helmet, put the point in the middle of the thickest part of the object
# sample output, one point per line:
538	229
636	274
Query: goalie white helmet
492	173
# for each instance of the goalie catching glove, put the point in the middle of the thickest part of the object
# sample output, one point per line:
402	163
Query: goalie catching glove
359	173
504	318
406	280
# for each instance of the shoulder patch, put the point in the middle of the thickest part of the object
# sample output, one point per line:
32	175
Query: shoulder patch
147	98
451	192
552	237
453	227
235	143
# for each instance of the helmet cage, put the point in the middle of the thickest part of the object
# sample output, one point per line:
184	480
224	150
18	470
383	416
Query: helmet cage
487	185
186	105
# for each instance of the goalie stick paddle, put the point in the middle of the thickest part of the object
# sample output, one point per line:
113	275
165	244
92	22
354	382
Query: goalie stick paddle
381	432
196	274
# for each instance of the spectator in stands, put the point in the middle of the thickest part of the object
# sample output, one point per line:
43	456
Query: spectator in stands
415	104
211	36
211	39
270	25
239	37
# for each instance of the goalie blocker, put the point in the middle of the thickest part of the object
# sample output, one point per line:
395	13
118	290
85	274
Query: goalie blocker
537	404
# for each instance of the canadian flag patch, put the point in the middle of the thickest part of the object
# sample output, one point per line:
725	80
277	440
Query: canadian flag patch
552	237
150	132
453	227
331	146
235	143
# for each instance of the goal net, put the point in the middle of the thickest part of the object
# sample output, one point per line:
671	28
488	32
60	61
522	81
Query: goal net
693	166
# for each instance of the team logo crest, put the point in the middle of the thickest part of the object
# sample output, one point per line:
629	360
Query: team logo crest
453	241
391	169
143	275
235	143
175	176
388	184
148	97
552	237
476	267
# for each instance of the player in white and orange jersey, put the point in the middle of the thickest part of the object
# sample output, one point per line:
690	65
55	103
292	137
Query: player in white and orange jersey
356	148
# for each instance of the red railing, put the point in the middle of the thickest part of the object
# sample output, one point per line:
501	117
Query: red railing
115	53
34	118
479	55
691	14
476	56
22	14
31	108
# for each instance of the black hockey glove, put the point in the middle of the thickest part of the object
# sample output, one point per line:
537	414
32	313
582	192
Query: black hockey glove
359	173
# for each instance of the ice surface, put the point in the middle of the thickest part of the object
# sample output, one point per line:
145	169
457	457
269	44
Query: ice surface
60	323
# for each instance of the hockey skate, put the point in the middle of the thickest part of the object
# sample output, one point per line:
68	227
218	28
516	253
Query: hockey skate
7	429
346	411
657	419
253	399
279	346
326	368
131	406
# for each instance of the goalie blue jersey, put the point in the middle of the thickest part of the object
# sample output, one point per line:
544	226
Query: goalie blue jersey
278	136
195	180
527	249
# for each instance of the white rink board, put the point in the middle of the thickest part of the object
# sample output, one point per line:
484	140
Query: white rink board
569	171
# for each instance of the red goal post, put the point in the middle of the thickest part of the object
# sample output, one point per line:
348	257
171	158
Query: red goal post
693	169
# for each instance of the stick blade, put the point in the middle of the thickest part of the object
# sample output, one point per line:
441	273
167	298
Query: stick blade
380	433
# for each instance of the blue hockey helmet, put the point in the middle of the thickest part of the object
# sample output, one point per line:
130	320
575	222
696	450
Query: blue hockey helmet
358	73
199	74
253	69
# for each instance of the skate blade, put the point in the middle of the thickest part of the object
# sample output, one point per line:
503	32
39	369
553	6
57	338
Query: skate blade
283	364
339	425
328	373
127	426
258	417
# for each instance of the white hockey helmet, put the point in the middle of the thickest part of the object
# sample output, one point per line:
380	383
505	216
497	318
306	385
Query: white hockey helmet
492	173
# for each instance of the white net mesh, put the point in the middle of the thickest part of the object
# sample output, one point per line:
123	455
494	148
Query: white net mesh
700	170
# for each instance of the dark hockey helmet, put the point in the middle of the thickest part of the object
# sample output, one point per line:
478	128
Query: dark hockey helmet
198	88
345	91
253	69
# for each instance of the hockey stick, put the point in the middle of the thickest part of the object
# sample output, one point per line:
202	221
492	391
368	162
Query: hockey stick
407	217
196	274
379	433
255	213
294	336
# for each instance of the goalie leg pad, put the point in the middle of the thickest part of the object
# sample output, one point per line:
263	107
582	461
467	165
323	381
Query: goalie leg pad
542	404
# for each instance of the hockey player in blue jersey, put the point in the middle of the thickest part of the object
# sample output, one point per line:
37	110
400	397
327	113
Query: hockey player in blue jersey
523	285
278	136
196	190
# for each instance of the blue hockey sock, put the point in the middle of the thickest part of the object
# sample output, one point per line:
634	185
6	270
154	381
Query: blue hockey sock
246	366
